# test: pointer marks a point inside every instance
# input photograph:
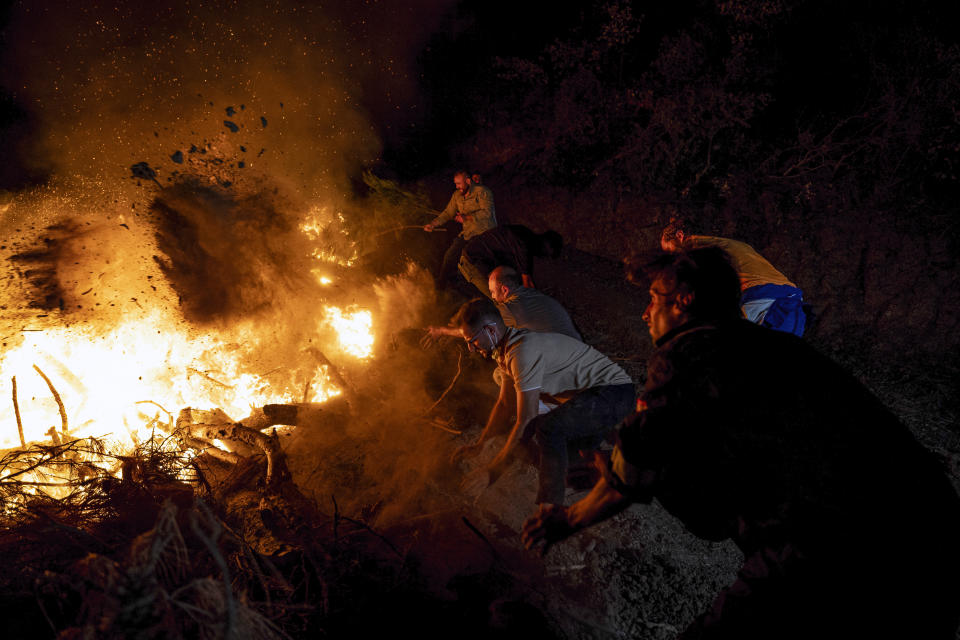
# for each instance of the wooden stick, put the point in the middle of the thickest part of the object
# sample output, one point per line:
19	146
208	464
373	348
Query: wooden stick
153	403
452	382
480	535
212	450
306	390
56	396
332	369
438	425
16	410
213	380
408	226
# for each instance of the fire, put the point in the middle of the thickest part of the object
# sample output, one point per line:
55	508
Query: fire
322	226
354	329
121	383
102	377
124	383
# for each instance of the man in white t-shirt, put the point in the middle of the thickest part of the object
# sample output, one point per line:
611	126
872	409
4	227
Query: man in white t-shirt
593	394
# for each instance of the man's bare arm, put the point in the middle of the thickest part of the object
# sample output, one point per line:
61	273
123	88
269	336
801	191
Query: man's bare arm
528	405
497	421
553	523
444	216
432	334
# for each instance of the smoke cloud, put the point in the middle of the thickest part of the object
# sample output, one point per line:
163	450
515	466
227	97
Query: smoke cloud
202	158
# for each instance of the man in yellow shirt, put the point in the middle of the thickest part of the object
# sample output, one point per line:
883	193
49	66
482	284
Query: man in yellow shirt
767	297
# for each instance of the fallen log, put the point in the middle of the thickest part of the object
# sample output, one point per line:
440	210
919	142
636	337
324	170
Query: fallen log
296	414
216	425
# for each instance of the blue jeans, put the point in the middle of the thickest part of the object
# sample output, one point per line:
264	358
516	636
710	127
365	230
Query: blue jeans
580	423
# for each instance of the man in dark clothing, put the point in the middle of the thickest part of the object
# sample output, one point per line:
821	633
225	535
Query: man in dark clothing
848	526
472	206
512	245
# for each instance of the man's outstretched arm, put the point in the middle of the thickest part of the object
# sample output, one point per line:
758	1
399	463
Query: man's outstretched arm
497	422
527	407
553	523
444	216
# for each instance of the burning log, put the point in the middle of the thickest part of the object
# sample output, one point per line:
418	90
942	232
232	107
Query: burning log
215	425
293	415
338	378
212	450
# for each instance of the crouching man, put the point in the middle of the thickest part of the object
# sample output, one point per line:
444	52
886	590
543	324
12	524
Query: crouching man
848	526
593	394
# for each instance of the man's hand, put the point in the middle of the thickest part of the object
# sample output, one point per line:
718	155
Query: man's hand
466	451
431	335
549	525
428	227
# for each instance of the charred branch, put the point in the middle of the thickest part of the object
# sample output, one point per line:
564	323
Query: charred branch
16	411
293	415
338	378
212	450
191	423
56	396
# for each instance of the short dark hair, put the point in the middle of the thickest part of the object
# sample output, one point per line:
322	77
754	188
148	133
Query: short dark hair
507	275
705	272
464	173
476	313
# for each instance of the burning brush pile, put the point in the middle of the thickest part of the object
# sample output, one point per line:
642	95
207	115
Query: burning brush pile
214	416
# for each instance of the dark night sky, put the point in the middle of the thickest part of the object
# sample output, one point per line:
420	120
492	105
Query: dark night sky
411	73
405	75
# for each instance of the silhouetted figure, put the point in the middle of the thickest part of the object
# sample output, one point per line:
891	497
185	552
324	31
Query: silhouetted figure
512	245
848	526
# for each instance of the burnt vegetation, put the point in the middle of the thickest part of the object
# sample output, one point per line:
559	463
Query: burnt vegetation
822	134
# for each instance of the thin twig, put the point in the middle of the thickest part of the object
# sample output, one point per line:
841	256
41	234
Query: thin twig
439	425
408	226
155	404
213	380
370	529
209	541
47	455
452	382
480	535
56	396
16	410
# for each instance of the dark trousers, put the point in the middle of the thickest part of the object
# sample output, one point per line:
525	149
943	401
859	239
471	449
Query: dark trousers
778	596
580	423
451	259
